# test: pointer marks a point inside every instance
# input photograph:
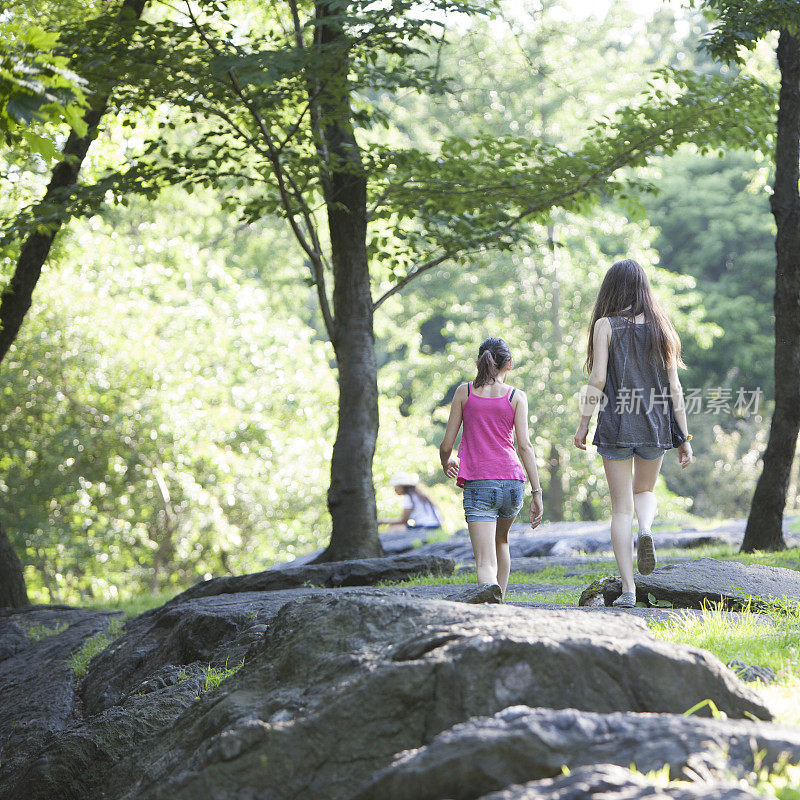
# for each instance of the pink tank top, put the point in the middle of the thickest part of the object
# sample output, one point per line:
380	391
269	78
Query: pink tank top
487	442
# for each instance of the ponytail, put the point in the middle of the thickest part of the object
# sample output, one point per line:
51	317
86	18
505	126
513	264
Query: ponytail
493	355
487	369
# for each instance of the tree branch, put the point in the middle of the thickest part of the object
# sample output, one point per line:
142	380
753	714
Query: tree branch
17	296
608	169
415	272
315	115
311	249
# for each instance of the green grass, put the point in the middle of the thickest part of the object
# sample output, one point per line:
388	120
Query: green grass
133	606
570	598
38	632
555	574
79	660
213	675
768	638
439	536
558	574
432	580
549	575
781	780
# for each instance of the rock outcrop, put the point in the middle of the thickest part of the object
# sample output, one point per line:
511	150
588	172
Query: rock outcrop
332	687
360	572
477	593
38	689
521	744
693	584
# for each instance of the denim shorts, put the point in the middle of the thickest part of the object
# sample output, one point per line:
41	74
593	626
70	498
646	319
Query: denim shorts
493	498
647	452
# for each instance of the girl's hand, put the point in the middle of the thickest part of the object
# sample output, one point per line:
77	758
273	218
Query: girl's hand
537	509
685	455
580	436
451	468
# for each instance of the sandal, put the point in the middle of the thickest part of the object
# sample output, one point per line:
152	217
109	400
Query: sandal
645	553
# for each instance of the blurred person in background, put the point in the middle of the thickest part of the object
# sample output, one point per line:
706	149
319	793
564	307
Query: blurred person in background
419	510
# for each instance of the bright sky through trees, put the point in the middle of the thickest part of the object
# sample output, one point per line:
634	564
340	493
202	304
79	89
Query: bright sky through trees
598	8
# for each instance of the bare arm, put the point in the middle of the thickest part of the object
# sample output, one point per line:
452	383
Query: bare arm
402	520
593	392
685	455
450	464
524	446
678	403
527	455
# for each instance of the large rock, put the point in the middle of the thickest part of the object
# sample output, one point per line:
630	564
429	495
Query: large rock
334	686
605	782
160	642
477	593
359	572
341	684
692	584
37	685
520	744
213	630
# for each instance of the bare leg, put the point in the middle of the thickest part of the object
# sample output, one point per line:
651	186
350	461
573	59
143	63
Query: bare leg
482	535
645	474
502	552
620	487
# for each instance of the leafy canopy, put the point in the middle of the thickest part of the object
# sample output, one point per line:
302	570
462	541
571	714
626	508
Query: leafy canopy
739	24
37	86
246	81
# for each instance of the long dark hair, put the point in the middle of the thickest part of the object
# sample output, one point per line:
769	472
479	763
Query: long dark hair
624	286
493	355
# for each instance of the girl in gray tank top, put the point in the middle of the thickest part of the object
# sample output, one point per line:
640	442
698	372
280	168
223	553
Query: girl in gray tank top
637	389
633	356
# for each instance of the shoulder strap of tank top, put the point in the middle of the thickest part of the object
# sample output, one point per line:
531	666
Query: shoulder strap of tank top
511	396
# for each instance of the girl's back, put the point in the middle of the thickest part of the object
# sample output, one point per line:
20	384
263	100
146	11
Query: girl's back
637	390
487	443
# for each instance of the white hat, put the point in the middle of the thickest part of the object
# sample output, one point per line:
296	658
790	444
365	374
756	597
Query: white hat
404	479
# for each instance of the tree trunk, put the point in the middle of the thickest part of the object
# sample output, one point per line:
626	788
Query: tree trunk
13	593
764	529
555	488
588	513
351	496
17	297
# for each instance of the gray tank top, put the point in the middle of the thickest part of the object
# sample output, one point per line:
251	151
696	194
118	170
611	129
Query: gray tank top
637	411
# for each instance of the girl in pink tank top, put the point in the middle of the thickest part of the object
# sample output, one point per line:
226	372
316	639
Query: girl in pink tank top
489	468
